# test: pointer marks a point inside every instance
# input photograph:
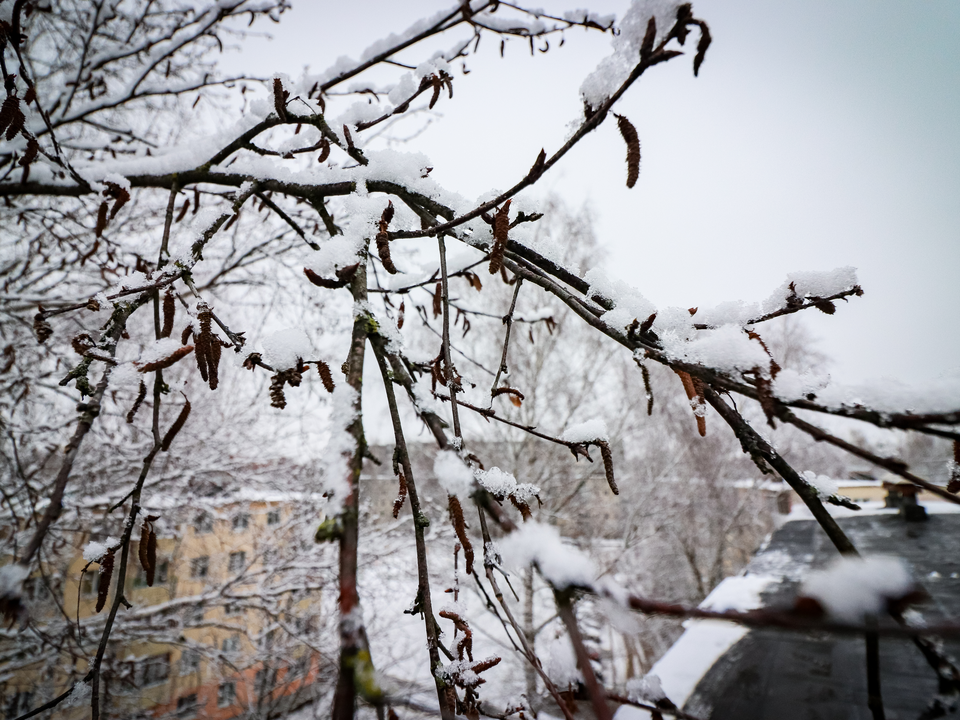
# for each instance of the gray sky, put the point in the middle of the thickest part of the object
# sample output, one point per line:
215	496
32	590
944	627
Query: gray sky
819	134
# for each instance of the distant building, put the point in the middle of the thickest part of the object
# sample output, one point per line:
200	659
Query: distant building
190	646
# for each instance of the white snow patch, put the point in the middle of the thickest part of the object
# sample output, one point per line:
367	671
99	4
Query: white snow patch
562	565
825	486
94	550
501	484
703	642
282	349
811	284
593	429
453	474
854	587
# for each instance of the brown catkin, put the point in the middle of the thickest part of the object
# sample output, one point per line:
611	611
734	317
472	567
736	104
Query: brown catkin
325	376
106	573
501	224
175	428
277	398
456	514
141	394
607	456
151	567
702	46
401	495
41	328
324	151
630	137
647	389
383	250
485	665
169	313
208	347
142	546
178	354
101	219
279	99
496	392
438	300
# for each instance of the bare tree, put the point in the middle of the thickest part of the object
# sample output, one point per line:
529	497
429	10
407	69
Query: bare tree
144	243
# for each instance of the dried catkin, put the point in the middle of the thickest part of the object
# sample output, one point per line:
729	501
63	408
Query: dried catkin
325	377
401	495
630	137
501	224
142	547
106	573
456	515
177	425
151	567
141	394
169	313
279	99
607	456
176	355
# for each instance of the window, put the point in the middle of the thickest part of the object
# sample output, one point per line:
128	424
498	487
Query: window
19	703
187	706
237	561
231	644
193	615
273	517
159	578
90	583
240	522
189	662
156	669
203	524
270	556
226	694
199	566
232	609
266	681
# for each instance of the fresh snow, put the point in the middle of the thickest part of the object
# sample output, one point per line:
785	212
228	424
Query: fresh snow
853	587
703	642
282	349
453	474
560	564
593	429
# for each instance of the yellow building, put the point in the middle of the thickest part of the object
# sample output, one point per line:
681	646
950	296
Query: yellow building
221	631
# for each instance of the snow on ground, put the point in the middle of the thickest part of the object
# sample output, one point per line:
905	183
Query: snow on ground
703	642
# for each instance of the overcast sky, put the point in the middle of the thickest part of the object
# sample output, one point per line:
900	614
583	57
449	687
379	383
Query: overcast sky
819	134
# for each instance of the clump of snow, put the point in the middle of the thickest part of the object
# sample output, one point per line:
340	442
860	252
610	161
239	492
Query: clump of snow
853	587
629	303
726	348
648	688
282	349
94	550
792	385
79	695
614	69
593	429
11	580
560	564
340	446
811	284
501	484
561	662
738	593
453	474
825	486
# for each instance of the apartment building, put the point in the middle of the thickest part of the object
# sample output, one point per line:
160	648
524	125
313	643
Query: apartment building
224	631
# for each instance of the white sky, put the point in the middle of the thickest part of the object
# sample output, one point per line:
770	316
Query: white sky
819	134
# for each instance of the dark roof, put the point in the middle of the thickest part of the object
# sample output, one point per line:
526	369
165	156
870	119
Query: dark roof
807	676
